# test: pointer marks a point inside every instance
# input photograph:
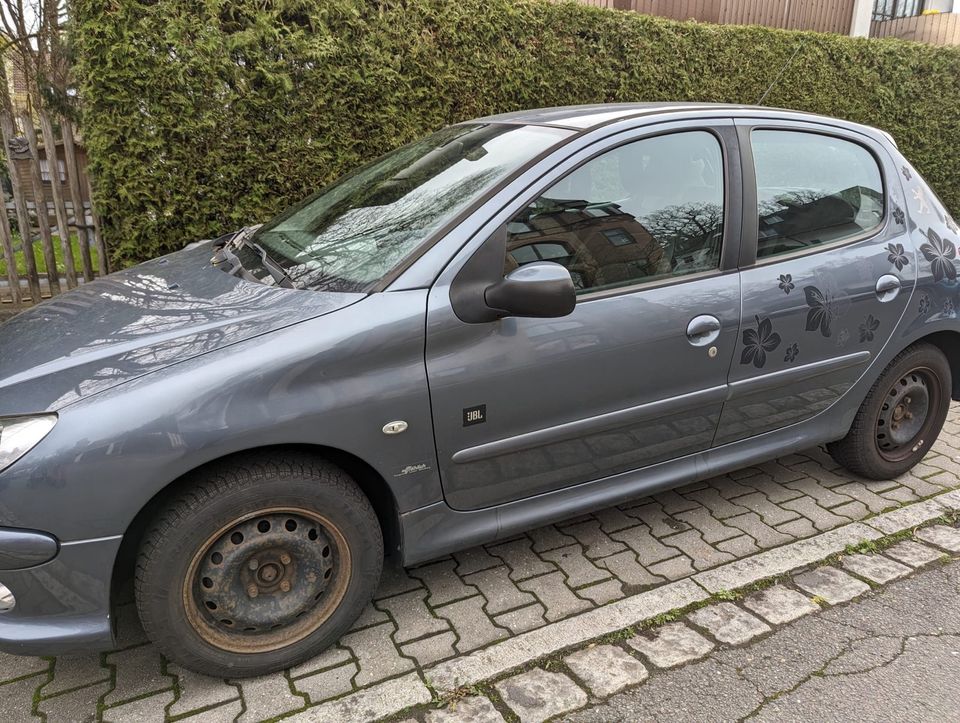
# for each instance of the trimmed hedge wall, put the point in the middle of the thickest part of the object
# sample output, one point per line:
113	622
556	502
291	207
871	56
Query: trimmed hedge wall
204	115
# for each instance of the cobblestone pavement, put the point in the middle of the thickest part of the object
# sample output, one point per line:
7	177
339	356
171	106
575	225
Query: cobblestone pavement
448	608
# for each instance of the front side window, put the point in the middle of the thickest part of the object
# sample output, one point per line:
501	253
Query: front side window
813	189
645	211
353	233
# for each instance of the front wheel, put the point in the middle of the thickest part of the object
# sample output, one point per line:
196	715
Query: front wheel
260	565
901	417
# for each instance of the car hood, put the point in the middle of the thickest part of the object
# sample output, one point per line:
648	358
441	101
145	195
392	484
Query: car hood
137	321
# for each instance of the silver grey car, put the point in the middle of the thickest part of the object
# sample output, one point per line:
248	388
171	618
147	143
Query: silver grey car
512	321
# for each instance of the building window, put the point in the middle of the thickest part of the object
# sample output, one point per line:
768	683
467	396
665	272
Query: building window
45	170
893	9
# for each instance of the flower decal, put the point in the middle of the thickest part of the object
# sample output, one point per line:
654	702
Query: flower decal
924	307
868	328
897	256
786	283
899	216
819	316
940	253
907	173
757	342
793	351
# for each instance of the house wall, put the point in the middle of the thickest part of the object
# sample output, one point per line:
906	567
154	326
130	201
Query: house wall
943	29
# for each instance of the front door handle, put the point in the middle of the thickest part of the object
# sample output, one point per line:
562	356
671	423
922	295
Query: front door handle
888	286
703	330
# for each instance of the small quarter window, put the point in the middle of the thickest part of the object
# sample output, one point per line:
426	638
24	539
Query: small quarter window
813	189
644	211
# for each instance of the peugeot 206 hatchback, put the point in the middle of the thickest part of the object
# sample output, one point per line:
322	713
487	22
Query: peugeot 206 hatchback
509	322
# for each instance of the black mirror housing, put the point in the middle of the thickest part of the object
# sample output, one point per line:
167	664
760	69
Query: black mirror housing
542	289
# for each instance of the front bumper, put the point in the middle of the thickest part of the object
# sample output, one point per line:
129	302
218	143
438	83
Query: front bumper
62	605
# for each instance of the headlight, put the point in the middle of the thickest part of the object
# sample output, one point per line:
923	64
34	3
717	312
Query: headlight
18	435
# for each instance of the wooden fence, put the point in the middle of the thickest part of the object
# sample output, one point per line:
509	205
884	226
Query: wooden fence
827	16
942	29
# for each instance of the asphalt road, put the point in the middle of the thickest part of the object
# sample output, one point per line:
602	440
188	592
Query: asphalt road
894	655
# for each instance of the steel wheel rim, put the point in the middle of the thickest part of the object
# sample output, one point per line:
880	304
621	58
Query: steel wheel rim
300	576
903	422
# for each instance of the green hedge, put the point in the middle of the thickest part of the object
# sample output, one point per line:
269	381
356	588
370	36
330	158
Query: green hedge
202	115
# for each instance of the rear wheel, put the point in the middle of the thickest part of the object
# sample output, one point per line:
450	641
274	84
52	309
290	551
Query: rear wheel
901	416
259	566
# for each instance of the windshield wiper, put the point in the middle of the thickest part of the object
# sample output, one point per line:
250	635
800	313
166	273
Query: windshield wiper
276	271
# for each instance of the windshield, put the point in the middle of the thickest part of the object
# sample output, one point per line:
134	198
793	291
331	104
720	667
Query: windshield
353	233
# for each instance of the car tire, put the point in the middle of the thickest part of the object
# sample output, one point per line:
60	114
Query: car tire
257	565
901	416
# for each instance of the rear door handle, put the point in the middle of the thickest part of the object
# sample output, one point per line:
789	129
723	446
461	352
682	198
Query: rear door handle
703	330
888	286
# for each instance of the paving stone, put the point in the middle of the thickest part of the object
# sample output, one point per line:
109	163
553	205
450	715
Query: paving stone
370	616
596	543
831	585
429	650
151	709
537	695
226	713
874	502
920	487
671	645
715	502
729	623
880	486
499	590
709	527
898	494
824	496
443	583
779	472
613	519
549	538
739	474
575	565
787	558
854	510
472	709
824	476
472	626
17	666
625	567
16	702
821	518
526	618
329	658
552	591
73	672
395	580
648	548
942	536
602	592
521	559
739	546
412	616
655	517
378	657
770	513
876	568
672	502
947	480
674	568
913	553
729	488
764	535
329	683
799	528
199	691
267	697
780	605
606	669
693	546
474	560
379	701
138	672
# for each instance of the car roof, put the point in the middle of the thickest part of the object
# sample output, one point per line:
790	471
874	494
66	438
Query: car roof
587	117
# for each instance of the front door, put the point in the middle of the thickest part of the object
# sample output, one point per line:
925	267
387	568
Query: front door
828	272
637	373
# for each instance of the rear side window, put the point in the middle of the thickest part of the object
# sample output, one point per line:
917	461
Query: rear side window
813	189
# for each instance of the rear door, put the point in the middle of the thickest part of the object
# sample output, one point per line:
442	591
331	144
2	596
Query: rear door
827	271
648	227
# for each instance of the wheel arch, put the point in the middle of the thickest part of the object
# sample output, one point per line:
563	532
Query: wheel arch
367	478
949	343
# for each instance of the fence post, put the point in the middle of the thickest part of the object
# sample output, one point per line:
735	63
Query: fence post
6	240
40	204
60	210
76	195
20	204
102	260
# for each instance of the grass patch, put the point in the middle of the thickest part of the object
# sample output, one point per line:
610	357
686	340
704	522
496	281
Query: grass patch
38	256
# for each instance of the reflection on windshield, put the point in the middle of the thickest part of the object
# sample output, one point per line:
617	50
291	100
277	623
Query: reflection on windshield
350	235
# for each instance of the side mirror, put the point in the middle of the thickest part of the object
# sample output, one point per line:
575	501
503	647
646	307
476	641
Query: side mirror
542	289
